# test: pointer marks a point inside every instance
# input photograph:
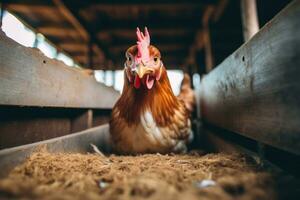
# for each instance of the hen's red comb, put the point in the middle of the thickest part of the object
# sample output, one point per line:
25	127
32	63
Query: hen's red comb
143	42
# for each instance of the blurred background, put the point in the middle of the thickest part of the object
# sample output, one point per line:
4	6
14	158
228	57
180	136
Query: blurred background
193	36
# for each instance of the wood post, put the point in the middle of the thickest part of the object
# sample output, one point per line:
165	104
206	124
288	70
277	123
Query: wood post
1	14
255	91
249	18
206	39
207	49
90	55
72	19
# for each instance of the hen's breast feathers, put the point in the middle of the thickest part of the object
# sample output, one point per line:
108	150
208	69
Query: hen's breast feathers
149	121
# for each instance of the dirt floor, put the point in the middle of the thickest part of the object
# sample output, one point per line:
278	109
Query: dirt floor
91	176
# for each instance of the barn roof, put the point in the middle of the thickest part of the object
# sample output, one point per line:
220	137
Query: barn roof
106	28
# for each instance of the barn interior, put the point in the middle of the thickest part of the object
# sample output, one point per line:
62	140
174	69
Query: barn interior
62	74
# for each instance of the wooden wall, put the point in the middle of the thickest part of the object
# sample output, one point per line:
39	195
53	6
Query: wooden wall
255	92
41	98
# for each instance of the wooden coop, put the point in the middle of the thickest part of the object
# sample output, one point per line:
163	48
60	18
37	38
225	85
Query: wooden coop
246	121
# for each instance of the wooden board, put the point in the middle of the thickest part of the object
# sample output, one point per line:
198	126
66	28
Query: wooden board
77	142
28	78
256	91
82	121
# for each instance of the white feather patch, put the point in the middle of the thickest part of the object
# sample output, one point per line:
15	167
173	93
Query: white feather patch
151	127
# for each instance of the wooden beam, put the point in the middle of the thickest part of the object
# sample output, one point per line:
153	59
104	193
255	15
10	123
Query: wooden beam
206	38
26	7
20	125
28	78
158	40
82	57
72	19
1	14
24	125
82	121
78	142
101	117
60	33
155	31
84	31
162	6
79	47
90	55
74	46
90	30
163	48
220	7
255	92
202	40
151	23
57	28
249	18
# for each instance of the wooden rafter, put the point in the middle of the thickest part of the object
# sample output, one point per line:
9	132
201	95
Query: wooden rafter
72	19
202	36
84	31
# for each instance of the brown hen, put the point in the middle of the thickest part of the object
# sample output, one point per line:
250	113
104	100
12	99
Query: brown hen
148	117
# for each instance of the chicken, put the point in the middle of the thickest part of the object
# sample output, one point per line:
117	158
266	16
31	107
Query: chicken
148	117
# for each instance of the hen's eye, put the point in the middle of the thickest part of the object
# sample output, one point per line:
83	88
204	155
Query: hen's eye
129	61
156	59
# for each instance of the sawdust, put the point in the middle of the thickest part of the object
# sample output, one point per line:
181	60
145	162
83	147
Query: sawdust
153	176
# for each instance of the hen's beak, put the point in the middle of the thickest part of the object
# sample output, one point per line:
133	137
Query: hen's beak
142	70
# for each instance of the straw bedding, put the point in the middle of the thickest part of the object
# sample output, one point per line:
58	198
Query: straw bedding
47	175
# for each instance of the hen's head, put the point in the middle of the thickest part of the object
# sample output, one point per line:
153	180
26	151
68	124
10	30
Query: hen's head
143	65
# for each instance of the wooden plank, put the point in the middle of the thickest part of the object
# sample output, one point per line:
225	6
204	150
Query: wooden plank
154	23
82	121
77	142
165	48
101	117
72	19
101	47
256	91
1	13
206	38
26	131
29	78
24	125
202	40
249	18
77	23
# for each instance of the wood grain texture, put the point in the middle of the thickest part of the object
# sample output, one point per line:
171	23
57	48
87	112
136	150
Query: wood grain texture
256	91
82	121
25	125
249	18
28	78
77	142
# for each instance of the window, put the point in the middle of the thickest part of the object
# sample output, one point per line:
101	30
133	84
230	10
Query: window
16	30
99	76
19	32
107	78
66	59
175	77
119	77
45	47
